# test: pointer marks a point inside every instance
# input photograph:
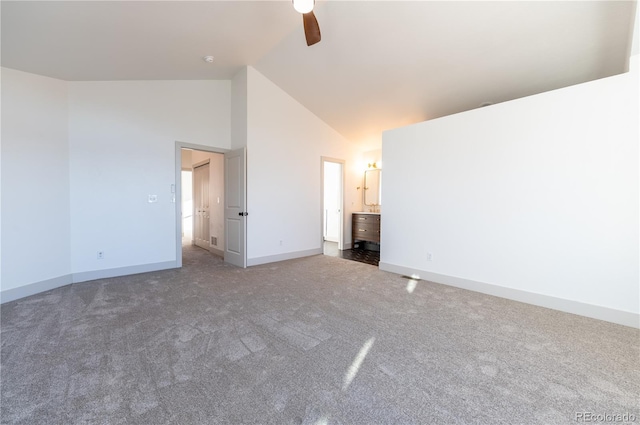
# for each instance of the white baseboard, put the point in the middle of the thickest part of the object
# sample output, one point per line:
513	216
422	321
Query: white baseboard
607	314
282	257
49	284
13	294
122	271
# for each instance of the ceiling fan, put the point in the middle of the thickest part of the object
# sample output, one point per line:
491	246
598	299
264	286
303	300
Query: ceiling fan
311	28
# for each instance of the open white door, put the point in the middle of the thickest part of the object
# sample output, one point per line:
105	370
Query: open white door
235	204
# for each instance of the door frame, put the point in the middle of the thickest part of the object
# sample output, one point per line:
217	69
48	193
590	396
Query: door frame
324	159
177	198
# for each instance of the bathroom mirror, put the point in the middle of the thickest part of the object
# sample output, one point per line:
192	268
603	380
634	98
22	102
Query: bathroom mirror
372	187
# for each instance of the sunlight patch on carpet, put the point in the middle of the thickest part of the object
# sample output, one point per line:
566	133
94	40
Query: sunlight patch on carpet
357	362
412	282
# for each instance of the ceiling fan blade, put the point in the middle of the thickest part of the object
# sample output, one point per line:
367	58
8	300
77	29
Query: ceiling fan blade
311	28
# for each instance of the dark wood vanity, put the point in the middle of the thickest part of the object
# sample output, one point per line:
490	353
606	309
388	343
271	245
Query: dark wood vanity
365	227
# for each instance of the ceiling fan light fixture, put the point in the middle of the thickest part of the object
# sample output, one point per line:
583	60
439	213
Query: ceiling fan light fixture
303	6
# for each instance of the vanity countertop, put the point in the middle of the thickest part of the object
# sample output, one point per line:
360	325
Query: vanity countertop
367	212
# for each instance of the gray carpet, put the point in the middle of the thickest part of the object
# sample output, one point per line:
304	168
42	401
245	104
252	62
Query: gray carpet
319	340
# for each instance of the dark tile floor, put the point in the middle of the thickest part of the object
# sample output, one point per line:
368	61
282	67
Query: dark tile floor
358	254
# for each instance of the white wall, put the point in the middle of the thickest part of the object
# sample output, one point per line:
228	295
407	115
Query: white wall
239	109
122	138
534	196
35	181
285	143
216	195
107	146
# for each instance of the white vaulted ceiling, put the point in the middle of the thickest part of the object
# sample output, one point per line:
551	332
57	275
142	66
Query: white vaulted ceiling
380	64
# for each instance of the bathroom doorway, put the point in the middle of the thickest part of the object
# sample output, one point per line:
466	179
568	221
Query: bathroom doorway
332	205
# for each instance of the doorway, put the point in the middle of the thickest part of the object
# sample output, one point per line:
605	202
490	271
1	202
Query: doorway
332	205
221	210
207	194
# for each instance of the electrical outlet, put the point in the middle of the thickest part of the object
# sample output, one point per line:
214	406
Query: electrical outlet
100	255
429	256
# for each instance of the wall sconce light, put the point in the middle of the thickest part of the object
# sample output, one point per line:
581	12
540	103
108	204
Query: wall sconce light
372	165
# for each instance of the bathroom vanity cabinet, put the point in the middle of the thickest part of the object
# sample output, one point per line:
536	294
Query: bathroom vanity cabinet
365	227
